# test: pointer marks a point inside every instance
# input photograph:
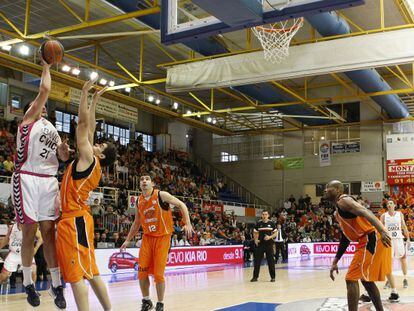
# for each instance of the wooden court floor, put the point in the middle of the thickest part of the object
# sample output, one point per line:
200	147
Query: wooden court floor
218	287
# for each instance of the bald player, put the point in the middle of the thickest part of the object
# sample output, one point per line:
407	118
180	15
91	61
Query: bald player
372	259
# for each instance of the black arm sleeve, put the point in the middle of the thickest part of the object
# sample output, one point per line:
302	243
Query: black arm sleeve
343	244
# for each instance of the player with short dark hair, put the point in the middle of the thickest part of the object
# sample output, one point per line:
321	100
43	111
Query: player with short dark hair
154	214
75	234
267	232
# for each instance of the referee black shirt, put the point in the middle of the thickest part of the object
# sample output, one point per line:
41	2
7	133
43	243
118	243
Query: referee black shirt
265	228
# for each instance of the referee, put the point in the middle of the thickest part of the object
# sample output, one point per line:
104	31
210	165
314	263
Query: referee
267	232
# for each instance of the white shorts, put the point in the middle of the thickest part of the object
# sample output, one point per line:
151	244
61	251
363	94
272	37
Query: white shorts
399	249
35	198
13	262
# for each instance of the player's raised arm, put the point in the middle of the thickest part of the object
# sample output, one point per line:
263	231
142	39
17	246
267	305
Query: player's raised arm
168	198
82	140
349	205
92	113
36	107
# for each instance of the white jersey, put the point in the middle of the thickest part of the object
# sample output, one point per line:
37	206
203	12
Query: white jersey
15	240
37	147
393	225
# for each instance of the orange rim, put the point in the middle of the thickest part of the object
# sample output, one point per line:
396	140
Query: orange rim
261	28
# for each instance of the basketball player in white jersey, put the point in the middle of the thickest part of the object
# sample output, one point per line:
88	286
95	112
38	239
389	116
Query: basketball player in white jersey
395	224
13	260
35	188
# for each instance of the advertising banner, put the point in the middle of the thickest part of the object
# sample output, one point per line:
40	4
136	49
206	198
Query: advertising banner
213	207
324	153
347	147
372	186
107	107
288	163
400	172
112	261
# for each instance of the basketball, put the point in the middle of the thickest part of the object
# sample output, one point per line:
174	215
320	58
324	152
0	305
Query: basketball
52	51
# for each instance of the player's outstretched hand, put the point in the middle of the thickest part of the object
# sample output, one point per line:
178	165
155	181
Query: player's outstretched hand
98	94
386	238
64	151
124	246
188	229
89	84
334	268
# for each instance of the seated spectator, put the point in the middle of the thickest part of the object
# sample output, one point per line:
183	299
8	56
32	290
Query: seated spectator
103	238
174	241
8	166
184	241
117	240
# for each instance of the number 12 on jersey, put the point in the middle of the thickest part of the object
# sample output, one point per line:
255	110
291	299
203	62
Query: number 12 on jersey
152	228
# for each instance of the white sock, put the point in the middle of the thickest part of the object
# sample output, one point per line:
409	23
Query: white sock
146	298
160	302
55	274
27	276
394	291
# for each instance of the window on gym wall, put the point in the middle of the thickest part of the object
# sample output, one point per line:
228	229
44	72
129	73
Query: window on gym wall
116	132
63	121
147	141
241	148
343	140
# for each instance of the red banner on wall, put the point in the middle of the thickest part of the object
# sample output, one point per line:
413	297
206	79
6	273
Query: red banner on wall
332	248
212	207
400	172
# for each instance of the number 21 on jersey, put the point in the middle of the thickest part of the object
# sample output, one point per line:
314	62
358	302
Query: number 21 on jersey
152	228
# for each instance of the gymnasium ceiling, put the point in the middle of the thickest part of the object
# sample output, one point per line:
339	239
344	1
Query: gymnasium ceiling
119	56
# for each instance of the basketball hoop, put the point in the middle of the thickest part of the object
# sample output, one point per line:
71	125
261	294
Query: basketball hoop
275	38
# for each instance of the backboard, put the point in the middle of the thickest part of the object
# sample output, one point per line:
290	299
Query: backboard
186	20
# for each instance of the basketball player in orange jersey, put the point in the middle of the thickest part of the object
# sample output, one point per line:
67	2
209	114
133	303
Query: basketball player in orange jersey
75	231
372	259
155	216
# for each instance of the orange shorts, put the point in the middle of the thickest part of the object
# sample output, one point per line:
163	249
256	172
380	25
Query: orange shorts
372	260
74	248
153	256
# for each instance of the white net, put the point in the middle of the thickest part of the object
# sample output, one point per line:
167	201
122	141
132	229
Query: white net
275	38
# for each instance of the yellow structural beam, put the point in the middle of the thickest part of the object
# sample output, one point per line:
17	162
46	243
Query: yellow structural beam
12	25
70	10
200	101
354	92
84	25
87	9
27	17
405	13
15	63
297	96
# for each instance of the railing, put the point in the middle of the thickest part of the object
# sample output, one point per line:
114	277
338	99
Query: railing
118	223
242	192
200	201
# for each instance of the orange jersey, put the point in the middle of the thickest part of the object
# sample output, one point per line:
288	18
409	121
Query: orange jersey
155	219
75	192
354	227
